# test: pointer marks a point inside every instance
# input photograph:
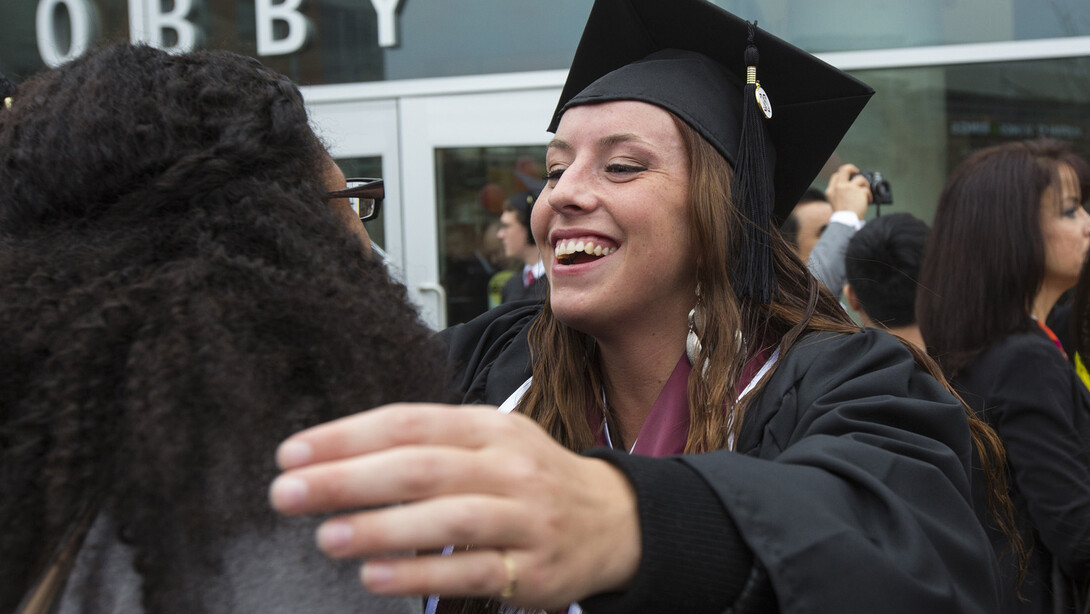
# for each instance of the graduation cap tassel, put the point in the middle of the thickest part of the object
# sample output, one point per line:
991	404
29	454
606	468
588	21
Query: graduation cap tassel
753	188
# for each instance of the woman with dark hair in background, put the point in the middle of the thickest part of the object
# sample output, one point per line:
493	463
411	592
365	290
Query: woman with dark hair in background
1009	237
179	294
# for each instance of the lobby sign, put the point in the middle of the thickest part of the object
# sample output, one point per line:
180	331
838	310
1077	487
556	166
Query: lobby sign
149	23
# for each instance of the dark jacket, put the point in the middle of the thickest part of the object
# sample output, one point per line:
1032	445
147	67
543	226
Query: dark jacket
849	494
513	290
1025	389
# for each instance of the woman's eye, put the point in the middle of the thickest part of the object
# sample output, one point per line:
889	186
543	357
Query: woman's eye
553	175
624	168
1072	212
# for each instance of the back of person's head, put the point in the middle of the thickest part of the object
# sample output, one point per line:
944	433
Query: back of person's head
882	265
178	298
985	259
131	129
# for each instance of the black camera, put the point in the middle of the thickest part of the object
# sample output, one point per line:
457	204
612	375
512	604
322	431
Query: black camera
880	192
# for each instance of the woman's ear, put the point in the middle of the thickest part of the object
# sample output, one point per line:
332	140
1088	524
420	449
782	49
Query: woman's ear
852	299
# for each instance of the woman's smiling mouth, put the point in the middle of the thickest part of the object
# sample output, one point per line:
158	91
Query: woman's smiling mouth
578	251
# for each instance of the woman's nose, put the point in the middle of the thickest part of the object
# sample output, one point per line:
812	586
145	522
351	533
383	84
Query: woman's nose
573	191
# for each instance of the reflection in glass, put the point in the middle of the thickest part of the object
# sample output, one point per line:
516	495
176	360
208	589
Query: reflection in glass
923	122
473	184
852	25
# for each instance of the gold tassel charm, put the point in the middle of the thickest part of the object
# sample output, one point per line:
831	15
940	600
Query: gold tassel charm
762	97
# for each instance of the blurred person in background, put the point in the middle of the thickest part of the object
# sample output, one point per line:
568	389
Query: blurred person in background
806	222
848	193
529	281
1009	237
882	268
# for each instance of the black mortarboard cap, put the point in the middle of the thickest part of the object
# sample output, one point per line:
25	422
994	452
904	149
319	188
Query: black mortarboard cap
690	57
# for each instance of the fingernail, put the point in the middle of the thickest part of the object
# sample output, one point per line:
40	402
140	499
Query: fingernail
375	574
292	454
288	493
334	536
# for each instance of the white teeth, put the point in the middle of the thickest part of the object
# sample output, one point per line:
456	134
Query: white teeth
573	246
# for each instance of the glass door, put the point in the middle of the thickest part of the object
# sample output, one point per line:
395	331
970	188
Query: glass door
463	156
472	186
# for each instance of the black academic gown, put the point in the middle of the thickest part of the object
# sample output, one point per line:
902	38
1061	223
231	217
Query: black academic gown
1025	389
849	494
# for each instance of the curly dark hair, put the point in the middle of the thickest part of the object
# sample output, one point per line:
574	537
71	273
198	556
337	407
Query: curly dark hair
177	299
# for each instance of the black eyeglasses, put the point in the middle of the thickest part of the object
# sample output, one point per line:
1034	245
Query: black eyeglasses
364	194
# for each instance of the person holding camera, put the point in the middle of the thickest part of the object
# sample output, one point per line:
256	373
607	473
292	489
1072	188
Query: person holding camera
849	193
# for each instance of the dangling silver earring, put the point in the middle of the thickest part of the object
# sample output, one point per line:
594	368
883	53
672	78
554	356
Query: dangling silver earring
696	328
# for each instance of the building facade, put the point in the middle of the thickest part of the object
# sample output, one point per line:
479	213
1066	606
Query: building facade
448	100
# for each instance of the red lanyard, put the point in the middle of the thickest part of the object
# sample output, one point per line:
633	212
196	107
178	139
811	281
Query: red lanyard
1052	335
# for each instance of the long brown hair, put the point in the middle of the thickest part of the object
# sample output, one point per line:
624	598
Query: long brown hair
567	380
988	214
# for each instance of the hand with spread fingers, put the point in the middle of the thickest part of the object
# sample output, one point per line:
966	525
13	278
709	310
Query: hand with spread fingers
546	526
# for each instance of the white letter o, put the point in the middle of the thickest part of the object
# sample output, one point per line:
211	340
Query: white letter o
84	23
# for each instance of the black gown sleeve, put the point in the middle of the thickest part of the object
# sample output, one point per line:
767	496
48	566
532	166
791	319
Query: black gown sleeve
676	508
1040	409
852	488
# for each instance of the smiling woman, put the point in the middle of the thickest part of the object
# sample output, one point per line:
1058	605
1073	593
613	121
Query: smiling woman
618	176
689	423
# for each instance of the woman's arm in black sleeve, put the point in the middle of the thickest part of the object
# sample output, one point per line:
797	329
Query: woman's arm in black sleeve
693	558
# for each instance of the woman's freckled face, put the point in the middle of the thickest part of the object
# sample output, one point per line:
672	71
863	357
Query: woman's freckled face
618	179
